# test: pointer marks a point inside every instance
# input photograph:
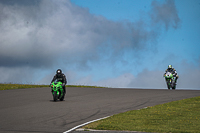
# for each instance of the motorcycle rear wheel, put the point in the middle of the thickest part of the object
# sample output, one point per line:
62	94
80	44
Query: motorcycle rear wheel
173	85
62	98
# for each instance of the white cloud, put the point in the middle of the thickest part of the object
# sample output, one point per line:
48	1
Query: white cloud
33	35
41	36
188	79
123	80
145	79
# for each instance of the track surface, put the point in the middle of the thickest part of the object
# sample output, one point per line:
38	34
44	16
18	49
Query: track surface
33	111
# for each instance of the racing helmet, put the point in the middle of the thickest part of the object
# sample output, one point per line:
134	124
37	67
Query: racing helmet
170	67
59	72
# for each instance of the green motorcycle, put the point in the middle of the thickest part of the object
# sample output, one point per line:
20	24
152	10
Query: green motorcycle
170	80
57	91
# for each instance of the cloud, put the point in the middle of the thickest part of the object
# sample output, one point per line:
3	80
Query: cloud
150	79
32	35
19	75
46	34
145	79
20	2
123	80
165	14
188	74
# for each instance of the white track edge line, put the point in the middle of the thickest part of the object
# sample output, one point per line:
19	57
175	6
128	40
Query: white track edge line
85	124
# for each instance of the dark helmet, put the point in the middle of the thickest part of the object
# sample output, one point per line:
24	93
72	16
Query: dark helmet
59	72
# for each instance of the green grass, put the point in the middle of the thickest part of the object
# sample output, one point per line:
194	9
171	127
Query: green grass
19	86
181	116
22	86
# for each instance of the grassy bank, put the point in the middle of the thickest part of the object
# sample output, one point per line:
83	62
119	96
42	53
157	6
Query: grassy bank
177	117
22	86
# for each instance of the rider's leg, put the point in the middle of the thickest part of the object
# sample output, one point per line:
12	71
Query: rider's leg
64	89
176	78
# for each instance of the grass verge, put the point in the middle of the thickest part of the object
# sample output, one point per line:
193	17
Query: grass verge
22	86
178	116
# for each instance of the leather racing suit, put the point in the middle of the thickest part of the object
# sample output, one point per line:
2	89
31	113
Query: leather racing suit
60	77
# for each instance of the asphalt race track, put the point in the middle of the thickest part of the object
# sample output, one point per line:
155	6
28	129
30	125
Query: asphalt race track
33	110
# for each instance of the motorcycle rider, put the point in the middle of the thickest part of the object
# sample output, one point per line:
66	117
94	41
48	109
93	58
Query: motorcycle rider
173	71
60	77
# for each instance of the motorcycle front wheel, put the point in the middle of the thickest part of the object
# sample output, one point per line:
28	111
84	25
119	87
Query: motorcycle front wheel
168	85
55	96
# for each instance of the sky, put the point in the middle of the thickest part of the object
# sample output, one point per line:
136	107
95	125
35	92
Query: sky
115	43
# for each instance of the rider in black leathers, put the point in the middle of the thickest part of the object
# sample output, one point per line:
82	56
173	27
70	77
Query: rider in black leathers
60	77
173	71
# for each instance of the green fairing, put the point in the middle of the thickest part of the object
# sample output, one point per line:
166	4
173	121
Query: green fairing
169	79
57	88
